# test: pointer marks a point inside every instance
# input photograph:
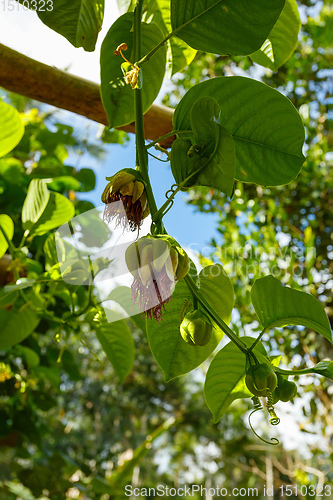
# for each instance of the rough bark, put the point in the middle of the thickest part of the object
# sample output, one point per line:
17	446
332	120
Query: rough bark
25	76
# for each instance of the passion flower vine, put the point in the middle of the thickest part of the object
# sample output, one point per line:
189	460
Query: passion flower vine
156	264
128	187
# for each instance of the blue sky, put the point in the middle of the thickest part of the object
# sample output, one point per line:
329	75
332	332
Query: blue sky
183	223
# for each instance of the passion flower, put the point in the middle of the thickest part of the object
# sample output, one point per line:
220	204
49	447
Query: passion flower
196	329
261	379
156	266
128	187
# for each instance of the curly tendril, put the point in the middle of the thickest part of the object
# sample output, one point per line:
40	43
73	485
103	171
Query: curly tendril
274	419
169	194
258	406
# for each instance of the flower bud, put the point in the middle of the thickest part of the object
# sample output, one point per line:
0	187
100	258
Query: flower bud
127	186
196	328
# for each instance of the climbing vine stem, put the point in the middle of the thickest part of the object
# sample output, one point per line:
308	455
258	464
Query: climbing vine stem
216	318
142	156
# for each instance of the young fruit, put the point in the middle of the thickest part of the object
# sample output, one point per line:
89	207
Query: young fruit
261	379
285	391
196	329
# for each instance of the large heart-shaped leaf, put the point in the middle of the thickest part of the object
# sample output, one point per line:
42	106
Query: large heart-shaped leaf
6	226
118	344
171	352
211	158
266	128
225	379
79	21
11	128
216	143
117	97
16	325
44	210
277	305
224	26
282	40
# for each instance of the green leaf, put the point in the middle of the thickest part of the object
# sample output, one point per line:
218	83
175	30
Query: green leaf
217	289
182	164
216	143
79	21
267	130
172	353
58	211
6	225
224	26
123	296
213	158
276	305
117	97
324	368
16	325
31	357
87	179
225	379
118	344
44	210
64	183
282	40
11	128
179	54
50	252
174	356
35	203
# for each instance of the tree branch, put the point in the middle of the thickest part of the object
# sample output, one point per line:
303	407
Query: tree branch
33	79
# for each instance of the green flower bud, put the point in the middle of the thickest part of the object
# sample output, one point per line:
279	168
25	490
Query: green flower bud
196	328
261	379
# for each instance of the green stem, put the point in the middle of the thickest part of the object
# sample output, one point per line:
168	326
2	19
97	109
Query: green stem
257	340
150	54
24	237
220	323
142	159
170	35
142	155
169	134
306	371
